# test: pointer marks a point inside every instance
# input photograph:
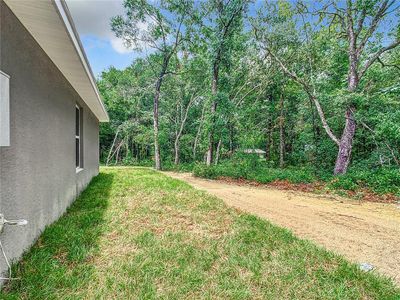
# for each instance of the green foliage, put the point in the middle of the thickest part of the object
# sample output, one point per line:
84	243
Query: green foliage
201	170
224	39
182	167
380	181
252	169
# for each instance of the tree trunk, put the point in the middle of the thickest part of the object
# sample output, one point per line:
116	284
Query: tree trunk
281	135
198	133
210	150
346	144
178	133
117	153
112	147
157	156
314	155
231	136
218	151
214	90
269	131
346	140
176	148
127	151
268	143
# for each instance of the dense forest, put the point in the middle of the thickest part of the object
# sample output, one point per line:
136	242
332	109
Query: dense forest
305	85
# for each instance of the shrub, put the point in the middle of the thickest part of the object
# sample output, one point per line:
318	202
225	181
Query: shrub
182	167
343	183
381	181
201	170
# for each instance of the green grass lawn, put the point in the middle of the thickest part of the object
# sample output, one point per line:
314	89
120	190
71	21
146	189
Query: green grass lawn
137	234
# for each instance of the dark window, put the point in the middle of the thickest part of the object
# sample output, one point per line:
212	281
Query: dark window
77	153
77	122
78	136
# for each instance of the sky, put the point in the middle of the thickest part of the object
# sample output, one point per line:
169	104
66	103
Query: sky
92	21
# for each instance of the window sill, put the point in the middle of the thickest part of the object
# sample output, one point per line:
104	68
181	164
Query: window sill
78	170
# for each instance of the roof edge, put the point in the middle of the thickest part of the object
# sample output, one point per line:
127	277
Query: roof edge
65	15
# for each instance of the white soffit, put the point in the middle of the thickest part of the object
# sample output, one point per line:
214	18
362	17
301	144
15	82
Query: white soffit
50	24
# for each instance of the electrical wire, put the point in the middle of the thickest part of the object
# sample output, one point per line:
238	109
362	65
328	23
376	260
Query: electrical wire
8	265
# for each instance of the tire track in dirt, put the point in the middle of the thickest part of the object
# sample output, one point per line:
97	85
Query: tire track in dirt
362	232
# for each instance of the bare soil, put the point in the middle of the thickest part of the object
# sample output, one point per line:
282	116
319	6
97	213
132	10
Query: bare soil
363	232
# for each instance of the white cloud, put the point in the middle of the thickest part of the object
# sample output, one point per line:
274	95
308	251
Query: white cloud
118	45
93	17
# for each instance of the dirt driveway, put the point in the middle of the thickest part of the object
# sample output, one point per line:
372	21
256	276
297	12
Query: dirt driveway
367	232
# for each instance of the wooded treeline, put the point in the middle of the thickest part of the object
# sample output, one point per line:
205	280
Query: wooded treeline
311	84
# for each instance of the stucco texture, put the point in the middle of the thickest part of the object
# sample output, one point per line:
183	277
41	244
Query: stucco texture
38	178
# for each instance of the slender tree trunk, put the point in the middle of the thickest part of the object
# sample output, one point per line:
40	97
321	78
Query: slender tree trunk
268	142
117	153
346	144
127	150
112	147
231	133
269	133
178	134
214	91
210	150
176	150
157	156
196	139
177	137
281	135
218	151
314	156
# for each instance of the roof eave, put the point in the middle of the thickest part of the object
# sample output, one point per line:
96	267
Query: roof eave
51	25
65	15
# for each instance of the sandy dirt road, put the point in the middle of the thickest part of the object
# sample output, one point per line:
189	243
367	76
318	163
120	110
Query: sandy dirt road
364	233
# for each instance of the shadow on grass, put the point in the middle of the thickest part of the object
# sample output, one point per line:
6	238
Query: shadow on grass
61	258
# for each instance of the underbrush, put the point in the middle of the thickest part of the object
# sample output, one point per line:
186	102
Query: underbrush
182	167
166	165
380	181
130	162
258	173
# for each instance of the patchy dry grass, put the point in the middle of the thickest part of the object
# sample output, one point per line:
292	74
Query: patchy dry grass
137	234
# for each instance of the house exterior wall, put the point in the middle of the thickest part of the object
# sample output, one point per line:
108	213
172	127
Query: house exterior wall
38	178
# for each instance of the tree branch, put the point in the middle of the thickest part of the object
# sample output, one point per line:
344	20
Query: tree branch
309	92
376	56
386	144
387	65
374	24
360	22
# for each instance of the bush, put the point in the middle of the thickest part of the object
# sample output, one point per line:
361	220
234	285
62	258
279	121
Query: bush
343	183
201	170
381	181
254	170
182	167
